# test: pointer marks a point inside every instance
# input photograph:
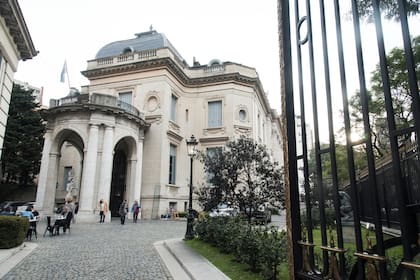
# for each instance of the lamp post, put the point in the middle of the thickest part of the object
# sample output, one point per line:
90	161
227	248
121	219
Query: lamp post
191	143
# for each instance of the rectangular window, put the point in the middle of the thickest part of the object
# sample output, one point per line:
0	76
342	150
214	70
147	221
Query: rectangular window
172	164
215	113
211	152
174	102
68	178
173	207
125	99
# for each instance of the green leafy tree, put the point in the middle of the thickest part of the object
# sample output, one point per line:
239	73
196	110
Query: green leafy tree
388	7
242	175
401	98
23	139
342	169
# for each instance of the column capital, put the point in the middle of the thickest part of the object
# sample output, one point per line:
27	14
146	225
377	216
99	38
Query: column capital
94	124
108	126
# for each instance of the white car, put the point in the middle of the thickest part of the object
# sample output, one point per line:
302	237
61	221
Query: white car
223	210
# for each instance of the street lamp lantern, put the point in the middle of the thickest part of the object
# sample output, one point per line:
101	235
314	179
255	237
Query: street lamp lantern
191	144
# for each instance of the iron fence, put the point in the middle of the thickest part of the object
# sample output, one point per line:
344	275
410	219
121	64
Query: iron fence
328	53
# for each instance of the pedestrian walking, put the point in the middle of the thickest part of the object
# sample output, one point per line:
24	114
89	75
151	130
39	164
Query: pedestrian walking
70	205
123	210
135	209
103	210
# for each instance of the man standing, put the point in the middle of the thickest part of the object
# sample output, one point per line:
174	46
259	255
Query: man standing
123	210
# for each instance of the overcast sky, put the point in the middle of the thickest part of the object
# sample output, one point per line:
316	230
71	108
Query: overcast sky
241	31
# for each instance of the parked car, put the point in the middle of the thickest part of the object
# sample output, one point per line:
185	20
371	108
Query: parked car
10	207
262	215
223	210
23	207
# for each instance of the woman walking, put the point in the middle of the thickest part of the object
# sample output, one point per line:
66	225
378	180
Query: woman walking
135	209
103	210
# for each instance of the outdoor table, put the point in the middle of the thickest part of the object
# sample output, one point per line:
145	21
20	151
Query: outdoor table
60	221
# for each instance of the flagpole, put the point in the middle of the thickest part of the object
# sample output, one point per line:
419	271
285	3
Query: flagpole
68	79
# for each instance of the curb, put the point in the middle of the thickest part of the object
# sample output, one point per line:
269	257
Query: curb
9	258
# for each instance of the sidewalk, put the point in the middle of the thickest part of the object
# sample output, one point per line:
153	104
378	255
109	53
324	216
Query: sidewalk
11	257
180	260
183	263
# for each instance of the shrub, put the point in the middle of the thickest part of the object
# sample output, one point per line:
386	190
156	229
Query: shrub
12	231
182	214
329	217
262	248
274	248
250	248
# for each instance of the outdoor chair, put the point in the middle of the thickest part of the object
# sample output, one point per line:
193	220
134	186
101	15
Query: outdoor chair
49	227
32	230
67	222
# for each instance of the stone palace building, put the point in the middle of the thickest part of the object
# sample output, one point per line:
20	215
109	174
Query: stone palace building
124	135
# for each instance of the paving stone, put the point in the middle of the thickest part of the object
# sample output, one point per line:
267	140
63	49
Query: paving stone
99	251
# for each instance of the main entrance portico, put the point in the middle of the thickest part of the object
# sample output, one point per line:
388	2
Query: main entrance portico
106	141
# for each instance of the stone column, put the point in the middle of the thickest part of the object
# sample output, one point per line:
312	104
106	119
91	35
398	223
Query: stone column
89	172
43	172
139	167
106	164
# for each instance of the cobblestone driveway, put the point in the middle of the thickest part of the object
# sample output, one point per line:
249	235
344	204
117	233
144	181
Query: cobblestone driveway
100	251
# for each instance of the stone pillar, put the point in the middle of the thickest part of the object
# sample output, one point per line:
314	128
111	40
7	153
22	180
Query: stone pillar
43	172
106	165
89	173
139	167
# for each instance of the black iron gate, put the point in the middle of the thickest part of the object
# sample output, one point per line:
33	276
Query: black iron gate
354	203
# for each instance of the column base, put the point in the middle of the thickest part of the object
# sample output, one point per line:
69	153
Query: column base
88	216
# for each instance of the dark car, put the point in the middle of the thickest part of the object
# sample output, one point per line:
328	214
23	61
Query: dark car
10	207
262	215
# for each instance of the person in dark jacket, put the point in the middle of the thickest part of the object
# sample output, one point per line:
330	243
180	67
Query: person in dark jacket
123	210
135	209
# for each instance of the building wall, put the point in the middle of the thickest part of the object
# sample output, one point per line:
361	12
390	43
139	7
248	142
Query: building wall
12	31
152	91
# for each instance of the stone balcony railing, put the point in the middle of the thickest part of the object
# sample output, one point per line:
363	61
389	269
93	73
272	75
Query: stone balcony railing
96	99
192	72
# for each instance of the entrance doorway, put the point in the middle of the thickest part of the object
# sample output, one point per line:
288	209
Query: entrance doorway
118	183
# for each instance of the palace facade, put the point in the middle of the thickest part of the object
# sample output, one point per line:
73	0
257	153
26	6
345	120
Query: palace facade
124	135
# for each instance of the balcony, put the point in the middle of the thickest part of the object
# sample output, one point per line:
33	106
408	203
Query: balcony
96	99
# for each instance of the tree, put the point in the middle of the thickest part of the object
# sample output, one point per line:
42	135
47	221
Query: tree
23	139
401	98
342	169
242	175
389	7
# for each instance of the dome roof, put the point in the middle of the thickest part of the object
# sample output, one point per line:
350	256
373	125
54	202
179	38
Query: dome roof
143	41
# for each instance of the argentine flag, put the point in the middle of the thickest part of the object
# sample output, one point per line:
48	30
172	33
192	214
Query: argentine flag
63	72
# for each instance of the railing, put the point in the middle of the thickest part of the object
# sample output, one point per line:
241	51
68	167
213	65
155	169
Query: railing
322	46
97	99
140	56
214	68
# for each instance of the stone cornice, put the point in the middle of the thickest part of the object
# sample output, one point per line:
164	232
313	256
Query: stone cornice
173	67
10	11
170	65
87	107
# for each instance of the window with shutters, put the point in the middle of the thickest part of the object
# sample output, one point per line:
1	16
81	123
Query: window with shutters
172	164
215	113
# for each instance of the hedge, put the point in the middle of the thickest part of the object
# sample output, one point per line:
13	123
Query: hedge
262	248
12	231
